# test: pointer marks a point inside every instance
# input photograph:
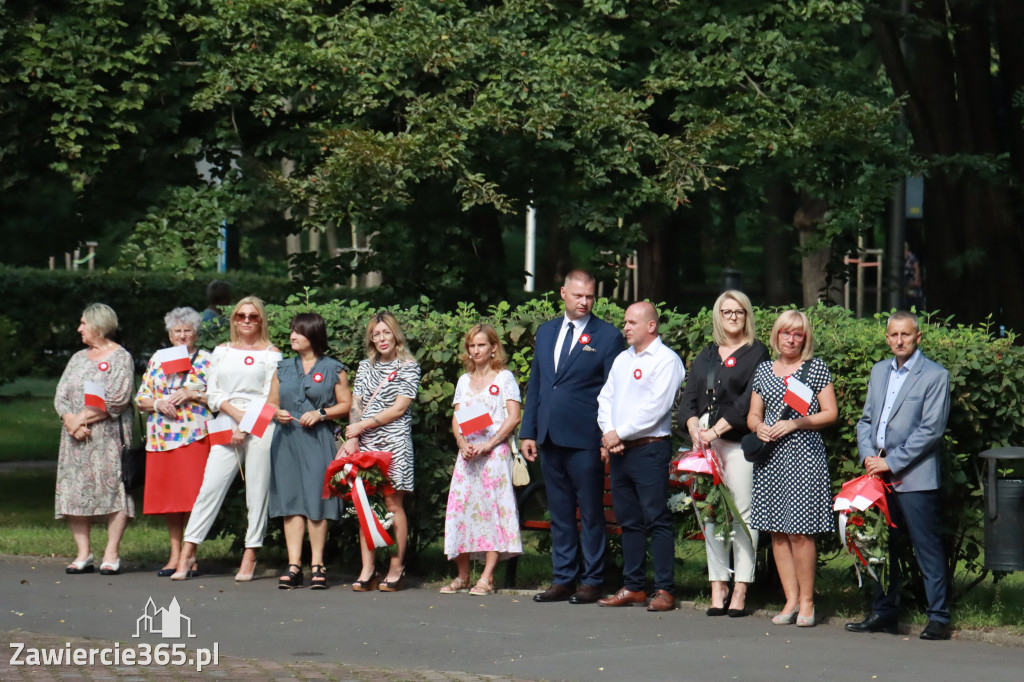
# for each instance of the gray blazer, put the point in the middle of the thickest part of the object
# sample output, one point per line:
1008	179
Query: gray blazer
917	423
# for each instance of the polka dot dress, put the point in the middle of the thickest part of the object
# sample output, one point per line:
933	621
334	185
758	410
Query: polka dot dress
792	492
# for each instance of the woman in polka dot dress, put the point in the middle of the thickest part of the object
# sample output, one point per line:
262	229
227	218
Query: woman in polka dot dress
792	494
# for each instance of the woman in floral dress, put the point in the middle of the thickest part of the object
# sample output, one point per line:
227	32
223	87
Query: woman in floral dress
89	483
482	521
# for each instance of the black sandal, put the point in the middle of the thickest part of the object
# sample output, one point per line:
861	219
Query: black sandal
291	579
395	585
318	577
368	585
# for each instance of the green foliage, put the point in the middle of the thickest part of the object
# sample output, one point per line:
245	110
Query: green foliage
46	307
428	124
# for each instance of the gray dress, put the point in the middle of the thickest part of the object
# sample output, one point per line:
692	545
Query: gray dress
299	455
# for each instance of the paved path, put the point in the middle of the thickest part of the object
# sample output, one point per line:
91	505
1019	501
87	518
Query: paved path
264	633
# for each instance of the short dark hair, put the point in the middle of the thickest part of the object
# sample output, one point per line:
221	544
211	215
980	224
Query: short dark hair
218	292
313	327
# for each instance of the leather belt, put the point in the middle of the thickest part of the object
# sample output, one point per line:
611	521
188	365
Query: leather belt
630	444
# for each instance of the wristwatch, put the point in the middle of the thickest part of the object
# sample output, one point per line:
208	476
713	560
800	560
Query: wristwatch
323	414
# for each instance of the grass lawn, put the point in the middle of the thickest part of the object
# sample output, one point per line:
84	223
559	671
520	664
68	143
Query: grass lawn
29	428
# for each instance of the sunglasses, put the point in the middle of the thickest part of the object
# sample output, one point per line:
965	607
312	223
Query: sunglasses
251	317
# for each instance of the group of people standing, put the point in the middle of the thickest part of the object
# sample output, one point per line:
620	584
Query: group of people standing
592	401
188	477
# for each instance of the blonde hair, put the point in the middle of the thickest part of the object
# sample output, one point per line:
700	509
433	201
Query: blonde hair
256	303
391	321
101	319
791	319
718	330
498	361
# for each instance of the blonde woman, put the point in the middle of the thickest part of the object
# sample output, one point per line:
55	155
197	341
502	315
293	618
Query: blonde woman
385	387
241	372
714	410
482	520
792	496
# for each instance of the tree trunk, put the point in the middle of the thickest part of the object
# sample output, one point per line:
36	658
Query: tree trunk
954	107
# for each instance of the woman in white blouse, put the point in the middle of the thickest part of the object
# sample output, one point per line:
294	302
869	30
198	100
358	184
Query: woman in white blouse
241	372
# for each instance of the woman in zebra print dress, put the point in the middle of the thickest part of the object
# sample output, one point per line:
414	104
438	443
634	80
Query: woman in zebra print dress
386	384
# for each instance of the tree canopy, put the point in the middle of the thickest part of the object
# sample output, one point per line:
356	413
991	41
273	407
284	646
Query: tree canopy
691	131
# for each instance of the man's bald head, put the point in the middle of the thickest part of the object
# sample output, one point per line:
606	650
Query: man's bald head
641	325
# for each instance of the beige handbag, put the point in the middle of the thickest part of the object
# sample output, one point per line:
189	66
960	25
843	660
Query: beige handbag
520	472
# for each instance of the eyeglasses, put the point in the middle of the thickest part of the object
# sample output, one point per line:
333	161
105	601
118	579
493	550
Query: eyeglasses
796	336
733	314
383	334
251	317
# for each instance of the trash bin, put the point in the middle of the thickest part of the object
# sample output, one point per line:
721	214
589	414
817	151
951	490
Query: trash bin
1004	512
732	279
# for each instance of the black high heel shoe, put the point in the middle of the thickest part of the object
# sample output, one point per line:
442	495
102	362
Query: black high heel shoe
368	585
291	579
318	577
393	585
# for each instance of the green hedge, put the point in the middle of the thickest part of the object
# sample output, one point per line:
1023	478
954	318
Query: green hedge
46	306
986	376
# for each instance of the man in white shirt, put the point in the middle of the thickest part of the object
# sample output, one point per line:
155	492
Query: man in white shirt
635	417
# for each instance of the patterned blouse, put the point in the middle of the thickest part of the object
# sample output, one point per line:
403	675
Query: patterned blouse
189	424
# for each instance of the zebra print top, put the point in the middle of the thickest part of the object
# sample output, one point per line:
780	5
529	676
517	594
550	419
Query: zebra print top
394	379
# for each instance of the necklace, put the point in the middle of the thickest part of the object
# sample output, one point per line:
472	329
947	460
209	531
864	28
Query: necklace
477	382
785	370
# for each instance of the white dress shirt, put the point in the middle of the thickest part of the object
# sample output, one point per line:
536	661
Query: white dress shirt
578	327
897	377
637	399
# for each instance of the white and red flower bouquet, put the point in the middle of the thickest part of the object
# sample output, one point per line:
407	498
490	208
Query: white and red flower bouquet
362	478
700	472
864	525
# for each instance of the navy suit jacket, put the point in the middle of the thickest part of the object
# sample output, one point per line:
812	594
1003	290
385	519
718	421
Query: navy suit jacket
562	409
917	423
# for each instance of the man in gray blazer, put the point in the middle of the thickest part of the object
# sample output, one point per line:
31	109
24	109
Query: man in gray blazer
899	437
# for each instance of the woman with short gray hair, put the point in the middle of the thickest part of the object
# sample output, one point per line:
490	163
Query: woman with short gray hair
92	396
176	443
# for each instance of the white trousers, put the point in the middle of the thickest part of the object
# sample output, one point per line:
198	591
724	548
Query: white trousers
221	468
738	476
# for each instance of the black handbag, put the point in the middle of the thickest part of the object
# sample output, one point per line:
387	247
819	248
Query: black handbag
757	451
133	462
133	457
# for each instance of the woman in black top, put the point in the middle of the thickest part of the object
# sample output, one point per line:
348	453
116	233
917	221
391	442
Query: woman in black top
714	409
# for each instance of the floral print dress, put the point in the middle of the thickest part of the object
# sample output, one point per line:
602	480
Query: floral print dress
89	471
482	515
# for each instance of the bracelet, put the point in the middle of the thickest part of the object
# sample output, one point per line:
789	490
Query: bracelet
715	431
375	421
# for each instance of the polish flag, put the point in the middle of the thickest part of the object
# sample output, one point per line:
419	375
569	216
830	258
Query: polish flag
95	395
220	429
257	418
798	395
473	418
174	359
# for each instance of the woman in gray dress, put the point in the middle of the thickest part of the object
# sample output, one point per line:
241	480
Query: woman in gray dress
311	389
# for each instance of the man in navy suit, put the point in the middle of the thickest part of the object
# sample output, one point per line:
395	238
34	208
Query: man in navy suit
571	360
899	437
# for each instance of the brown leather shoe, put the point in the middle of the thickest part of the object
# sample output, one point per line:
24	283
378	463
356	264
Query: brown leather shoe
554	593
624	597
587	594
662	601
